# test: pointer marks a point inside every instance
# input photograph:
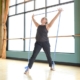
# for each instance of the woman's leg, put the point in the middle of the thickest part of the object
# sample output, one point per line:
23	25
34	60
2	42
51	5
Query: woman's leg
37	48
46	48
35	53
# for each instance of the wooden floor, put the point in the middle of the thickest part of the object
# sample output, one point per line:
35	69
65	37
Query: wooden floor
13	70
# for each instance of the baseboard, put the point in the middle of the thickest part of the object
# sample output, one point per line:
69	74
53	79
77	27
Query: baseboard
41	61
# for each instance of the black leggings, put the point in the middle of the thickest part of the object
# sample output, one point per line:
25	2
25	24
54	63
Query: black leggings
46	47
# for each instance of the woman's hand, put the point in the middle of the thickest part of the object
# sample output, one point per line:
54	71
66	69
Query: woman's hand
60	9
32	16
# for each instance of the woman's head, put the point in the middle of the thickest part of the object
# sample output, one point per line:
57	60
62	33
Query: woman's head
44	20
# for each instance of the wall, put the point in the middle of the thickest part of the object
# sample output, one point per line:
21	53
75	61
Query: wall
77	29
60	57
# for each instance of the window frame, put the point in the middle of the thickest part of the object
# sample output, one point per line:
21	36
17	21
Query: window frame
64	3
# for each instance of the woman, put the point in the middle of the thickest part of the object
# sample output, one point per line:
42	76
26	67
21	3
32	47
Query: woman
42	40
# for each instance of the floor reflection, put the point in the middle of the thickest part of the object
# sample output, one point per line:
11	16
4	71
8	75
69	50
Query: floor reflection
29	76
50	75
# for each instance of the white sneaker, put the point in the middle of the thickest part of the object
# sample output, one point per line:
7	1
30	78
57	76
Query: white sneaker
53	67
27	70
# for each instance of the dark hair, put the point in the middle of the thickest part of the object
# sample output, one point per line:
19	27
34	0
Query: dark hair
44	18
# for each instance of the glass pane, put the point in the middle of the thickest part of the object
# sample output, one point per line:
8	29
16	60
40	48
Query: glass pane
52	2
30	6
40	3
62	1
66	45
12	2
16	30
52	44
20	8
15	45
66	27
66	20
30	44
12	11
16	26
28	24
32	27
63	45
19	1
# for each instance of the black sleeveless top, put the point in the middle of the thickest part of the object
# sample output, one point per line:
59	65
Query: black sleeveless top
42	33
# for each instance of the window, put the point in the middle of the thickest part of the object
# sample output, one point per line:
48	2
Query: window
20	8
15	45
28	24
16	30
12	2
20	1
28	29
39	3
66	20
66	28
30	43
21	25
29	6
52	2
62	1
12	11
16	26
65	45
